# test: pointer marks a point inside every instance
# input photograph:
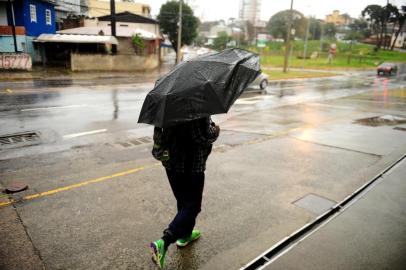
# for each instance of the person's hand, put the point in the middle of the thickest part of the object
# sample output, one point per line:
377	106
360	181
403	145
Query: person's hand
217	130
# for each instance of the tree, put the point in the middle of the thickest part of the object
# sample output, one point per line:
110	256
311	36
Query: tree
278	24
375	15
220	42
358	30
391	14
314	28
168	18
329	30
400	21
379	17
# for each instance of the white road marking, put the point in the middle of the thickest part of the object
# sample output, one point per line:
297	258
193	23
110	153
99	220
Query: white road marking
70	136
244	101
54	107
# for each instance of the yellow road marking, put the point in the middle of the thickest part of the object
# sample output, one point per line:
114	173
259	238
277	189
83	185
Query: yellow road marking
80	184
109	177
9	91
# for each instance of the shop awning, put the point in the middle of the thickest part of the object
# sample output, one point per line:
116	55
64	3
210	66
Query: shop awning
64	38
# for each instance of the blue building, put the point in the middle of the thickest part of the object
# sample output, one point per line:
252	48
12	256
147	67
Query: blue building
32	18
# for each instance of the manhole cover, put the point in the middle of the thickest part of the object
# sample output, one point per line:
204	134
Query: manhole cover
384	120
314	203
16	187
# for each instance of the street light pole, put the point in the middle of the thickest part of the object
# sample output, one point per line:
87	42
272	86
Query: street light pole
285	64
178	54
13	26
113	24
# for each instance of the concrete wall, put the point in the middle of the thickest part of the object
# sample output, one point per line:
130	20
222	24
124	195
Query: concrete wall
125	45
98	62
19	61
3	13
400	40
7	44
153	28
101	8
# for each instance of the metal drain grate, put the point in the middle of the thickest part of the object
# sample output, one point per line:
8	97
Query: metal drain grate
384	120
19	138
134	142
400	128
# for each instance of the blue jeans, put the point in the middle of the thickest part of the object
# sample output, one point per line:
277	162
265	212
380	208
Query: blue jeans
188	191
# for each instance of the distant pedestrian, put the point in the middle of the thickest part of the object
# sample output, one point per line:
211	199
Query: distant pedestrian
183	150
331	53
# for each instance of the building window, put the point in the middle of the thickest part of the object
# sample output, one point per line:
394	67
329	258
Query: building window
33	13
48	17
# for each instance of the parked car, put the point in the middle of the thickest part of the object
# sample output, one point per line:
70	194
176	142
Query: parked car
387	69
261	81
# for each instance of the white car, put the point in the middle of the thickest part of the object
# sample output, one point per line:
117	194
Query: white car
261	81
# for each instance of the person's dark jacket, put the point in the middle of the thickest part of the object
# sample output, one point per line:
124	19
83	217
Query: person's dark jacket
190	144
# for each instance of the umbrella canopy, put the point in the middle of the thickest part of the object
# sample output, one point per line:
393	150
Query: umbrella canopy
200	87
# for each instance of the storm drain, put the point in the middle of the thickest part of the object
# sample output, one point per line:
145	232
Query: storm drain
384	120
400	128
134	142
19	138
272	253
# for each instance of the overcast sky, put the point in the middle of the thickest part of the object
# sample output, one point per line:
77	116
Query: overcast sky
209	10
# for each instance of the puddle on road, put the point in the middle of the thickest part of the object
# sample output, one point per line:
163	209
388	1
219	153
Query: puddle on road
384	120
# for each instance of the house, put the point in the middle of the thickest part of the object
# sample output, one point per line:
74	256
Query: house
209	31
69	8
338	19
32	18
127	25
137	37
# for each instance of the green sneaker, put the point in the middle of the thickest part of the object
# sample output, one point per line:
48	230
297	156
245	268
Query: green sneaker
158	252
186	241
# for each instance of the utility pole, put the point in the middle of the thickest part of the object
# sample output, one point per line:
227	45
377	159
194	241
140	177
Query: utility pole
178	52
13	27
113	24
321	38
285	64
306	39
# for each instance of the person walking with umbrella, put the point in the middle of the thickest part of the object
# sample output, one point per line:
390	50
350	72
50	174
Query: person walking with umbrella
180	106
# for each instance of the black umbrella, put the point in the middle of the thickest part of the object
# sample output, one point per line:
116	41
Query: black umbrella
200	87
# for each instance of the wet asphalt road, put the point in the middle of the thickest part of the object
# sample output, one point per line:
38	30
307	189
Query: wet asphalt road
97	196
111	108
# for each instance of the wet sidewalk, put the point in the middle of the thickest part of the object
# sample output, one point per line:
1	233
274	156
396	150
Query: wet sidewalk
368	234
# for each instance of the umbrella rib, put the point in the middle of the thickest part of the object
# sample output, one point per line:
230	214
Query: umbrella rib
212	89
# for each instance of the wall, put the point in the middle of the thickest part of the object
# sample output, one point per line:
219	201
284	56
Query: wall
400	40
98	62
20	61
152	28
101	8
3	13
125	46
7	44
